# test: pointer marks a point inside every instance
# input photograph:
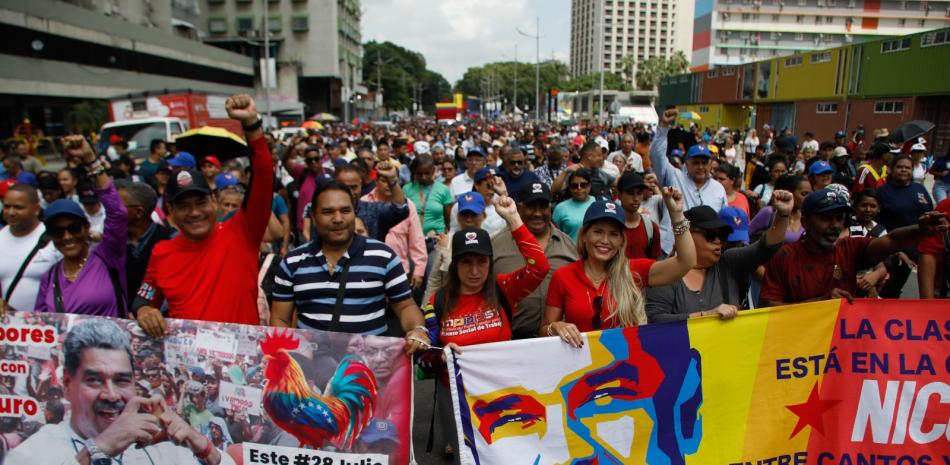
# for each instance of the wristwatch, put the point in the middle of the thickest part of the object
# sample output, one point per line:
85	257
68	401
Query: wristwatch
96	456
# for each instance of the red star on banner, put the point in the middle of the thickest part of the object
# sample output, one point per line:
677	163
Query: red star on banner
810	413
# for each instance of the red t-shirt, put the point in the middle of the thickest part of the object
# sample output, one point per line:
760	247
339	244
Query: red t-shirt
216	279
796	274
866	179
637	246
574	293
934	246
471	320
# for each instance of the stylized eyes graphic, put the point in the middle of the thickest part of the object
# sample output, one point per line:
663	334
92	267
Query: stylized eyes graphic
520	410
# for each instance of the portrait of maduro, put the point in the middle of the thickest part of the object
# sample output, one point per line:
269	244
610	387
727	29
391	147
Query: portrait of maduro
629	395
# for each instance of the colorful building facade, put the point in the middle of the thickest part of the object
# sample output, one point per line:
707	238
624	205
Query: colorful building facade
875	84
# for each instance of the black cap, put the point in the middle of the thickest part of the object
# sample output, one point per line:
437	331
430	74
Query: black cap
86	193
471	240
630	180
534	191
705	218
186	181
878	149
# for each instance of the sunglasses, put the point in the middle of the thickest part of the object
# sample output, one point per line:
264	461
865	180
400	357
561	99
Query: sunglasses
712	234
57	232
581	185
595	320
313	159
517	162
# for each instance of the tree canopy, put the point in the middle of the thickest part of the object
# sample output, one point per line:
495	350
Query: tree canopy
402	75
591	81
500	76
652	70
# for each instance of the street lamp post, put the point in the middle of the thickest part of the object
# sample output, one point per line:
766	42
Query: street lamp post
537	71
600	108
265	74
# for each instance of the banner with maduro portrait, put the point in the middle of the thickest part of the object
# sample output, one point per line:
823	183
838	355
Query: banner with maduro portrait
827	383
81	388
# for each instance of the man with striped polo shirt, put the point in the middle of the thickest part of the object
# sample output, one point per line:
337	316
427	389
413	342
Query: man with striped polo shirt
342	281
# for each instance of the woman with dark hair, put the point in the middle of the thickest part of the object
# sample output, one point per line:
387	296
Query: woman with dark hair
89	280
475	305
778	167
800	187
730	178
903	201
867	205
569	215
68	180
433	200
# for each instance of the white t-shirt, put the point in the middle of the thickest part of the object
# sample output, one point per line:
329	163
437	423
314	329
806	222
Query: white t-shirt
15	249
493	221
97	222
461	184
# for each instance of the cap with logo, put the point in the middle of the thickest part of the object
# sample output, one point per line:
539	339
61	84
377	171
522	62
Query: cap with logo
825	201
185	182
698	150
601	210
484	174
225	180
820	167
471	202
534	191
379	430
86	193
918	147
471	240
475	152
840	152
183	160
737	219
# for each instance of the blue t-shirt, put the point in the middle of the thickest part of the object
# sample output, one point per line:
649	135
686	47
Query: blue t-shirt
569	216
278	206
902	205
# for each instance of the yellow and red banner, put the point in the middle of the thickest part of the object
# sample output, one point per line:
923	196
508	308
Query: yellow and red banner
828	383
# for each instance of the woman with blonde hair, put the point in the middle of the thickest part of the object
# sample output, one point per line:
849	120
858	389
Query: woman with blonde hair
604	289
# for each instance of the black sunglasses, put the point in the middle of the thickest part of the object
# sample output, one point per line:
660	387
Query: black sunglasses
713	234
313	159
580	185
595	321
57	232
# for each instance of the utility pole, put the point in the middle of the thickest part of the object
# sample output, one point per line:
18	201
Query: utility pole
265	74
600	109
537	71
515	97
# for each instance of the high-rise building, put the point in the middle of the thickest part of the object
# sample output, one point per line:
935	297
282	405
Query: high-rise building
731	32
636	28
317	45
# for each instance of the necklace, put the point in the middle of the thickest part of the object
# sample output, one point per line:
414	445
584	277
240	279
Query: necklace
596	280
72	276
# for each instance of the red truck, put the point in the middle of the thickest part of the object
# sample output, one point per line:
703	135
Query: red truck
140	118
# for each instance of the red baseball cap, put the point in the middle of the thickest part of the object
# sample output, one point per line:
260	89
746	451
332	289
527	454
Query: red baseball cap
213	160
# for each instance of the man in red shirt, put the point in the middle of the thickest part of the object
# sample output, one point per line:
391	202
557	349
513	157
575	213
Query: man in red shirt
932	279
640	242
821	266
209	271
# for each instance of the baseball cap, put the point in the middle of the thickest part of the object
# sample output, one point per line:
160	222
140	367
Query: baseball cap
737	219
225	180
86	193
471	240
476	152
698	150
918	148
841	152
379	430
839	134
630	180
824	201
438	147
603	210
185	182
483	174
183	160
534	191
714	149
676	153
420	147
61	207
820	167
705	218
5	186
879	148
471	202
213	160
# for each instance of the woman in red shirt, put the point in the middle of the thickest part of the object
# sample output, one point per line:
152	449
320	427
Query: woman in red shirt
471	310
604	289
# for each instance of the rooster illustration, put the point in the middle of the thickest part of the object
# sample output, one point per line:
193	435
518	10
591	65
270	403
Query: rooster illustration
337	417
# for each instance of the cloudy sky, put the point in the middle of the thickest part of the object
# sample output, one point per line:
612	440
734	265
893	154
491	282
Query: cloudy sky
454	35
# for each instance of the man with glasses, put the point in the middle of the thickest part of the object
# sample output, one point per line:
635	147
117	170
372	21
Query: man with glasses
514	170
821	266
140	200
694	182
306	178
462	183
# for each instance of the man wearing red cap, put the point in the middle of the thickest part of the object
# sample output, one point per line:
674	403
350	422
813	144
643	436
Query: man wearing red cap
210	167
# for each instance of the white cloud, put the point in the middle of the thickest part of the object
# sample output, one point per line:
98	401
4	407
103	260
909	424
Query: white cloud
454	35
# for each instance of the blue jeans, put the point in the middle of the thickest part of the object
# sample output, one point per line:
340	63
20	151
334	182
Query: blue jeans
941	191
